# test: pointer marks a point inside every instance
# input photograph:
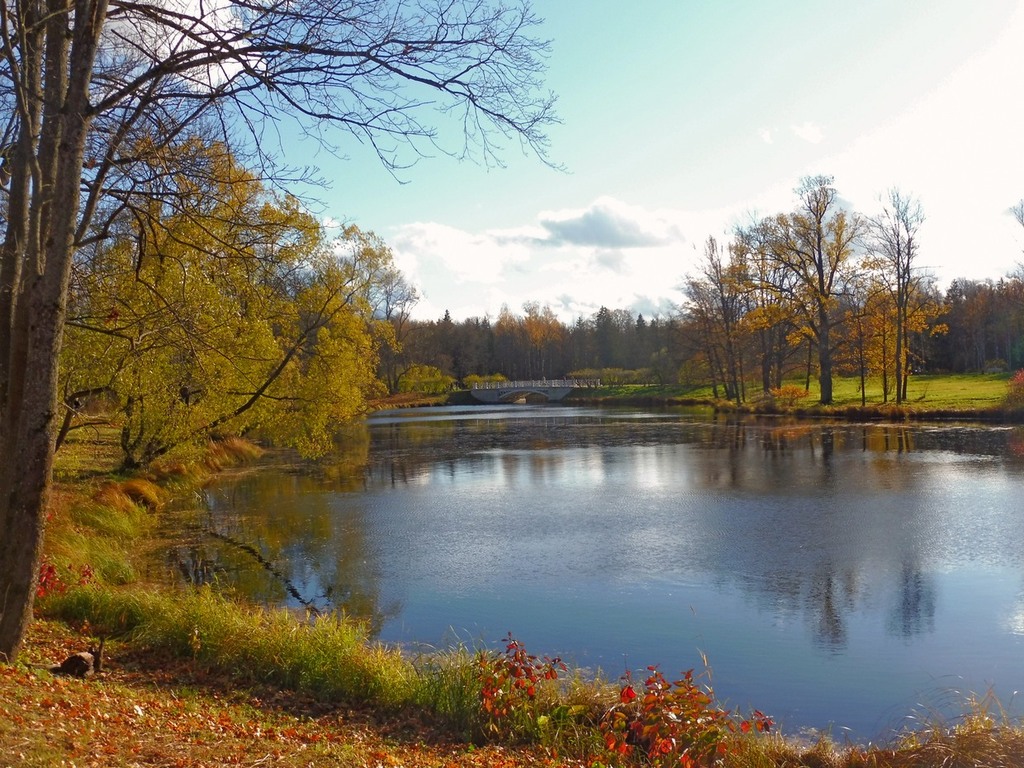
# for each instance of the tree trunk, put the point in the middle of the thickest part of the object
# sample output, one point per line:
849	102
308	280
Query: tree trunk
825	357
807	373
25	489
900	353
28	424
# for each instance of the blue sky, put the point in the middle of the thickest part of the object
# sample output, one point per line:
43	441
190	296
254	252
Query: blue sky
681	118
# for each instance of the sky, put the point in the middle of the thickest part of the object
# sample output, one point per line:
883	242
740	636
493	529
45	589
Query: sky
682	119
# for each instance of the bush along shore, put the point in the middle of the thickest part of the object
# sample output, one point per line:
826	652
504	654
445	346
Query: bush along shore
198	677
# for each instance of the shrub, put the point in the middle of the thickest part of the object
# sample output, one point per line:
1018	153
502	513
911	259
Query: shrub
509	684
1015	391
426	380
53	580
788	394
672	723
492	378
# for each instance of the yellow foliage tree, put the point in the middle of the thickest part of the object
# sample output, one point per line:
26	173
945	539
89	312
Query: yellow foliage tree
233	313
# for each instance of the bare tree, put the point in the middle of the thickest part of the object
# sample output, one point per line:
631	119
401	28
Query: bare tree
893	241
715	302
394	301
1018	213
96	89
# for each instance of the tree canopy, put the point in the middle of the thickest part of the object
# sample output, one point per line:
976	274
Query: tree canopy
233	316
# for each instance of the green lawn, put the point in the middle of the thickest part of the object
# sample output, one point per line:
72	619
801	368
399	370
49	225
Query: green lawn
967	391
925	392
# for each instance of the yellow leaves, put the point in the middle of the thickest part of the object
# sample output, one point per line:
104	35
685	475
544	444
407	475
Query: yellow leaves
228	311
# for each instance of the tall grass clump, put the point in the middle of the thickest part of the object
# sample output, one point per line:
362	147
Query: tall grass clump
108	559
228	452
111	613
124	495
100	532
329	657
449	687
985	736
122	522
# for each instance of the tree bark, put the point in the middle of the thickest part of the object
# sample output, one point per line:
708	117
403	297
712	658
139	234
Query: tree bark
29	420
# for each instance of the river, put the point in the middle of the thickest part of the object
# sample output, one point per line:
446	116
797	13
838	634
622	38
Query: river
850	578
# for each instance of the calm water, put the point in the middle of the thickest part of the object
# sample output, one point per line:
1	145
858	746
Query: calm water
836	576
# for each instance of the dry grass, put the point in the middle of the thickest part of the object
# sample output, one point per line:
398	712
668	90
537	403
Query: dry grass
123	495
228	452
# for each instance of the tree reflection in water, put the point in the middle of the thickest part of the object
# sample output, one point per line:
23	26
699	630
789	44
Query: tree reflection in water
298	553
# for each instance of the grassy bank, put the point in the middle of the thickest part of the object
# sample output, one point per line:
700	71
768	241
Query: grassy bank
198	678
929	396
980	396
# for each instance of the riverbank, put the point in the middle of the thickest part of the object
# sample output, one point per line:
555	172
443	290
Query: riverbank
932	397
149	707
184	647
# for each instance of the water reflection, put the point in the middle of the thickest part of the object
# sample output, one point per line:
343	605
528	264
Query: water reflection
288	547
831	572
914	611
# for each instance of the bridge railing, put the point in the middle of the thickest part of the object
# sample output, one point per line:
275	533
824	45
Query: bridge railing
538	384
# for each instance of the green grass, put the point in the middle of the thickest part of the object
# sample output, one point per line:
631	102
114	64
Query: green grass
642	392
940	392
330	657
937	393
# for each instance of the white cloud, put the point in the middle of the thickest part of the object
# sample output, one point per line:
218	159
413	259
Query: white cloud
612	260
609	223
464	257
808	131
576	260
766	135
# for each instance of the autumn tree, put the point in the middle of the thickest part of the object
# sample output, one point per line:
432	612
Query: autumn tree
545	336
716	304
393	301
95	86
770	319
234	315
814	245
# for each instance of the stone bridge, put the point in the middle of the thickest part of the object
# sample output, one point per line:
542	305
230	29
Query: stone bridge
545	390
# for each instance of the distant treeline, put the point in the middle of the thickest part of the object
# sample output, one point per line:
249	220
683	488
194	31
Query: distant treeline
980	328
